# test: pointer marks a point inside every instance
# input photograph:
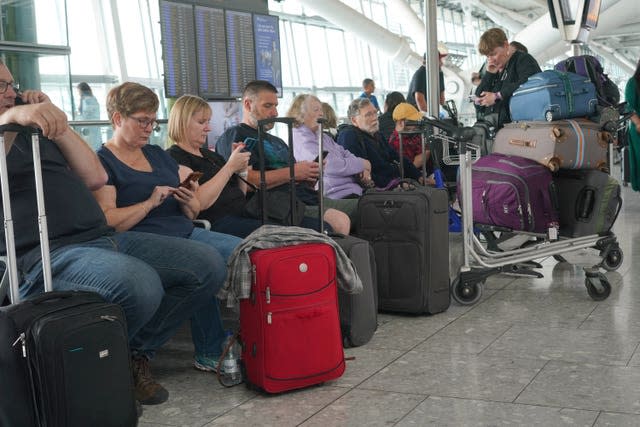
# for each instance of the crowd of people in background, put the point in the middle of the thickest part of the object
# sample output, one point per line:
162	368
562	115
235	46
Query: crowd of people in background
133	204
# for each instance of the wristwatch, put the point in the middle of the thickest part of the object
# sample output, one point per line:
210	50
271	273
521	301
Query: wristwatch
498	96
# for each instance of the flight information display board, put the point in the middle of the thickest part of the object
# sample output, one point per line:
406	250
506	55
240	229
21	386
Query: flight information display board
240	50
211	40
179	48
214	52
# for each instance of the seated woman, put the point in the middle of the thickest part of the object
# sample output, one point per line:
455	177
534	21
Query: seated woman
222	192
343	171
143	193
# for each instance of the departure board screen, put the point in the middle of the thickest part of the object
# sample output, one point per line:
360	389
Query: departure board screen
213	74
214	52
178	48
240	51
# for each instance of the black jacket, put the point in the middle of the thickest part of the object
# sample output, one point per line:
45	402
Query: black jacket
520	66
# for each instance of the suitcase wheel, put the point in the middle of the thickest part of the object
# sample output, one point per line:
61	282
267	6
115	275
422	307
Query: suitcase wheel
613	260
466	293
598	287
548	116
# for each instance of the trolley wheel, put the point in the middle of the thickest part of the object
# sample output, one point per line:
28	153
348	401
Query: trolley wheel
466	294
548	116
613	260
598	287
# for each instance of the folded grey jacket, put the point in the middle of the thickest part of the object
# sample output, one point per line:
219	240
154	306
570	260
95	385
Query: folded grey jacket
238	282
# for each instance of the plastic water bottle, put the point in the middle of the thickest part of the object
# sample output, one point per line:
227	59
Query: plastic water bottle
230	373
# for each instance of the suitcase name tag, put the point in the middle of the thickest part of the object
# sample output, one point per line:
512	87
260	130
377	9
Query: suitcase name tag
523	143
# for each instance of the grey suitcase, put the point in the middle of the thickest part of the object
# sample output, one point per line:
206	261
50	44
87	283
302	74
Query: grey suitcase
589	204
563	144
358	312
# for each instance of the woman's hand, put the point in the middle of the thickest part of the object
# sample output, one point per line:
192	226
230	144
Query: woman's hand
159	194
187	197
238	160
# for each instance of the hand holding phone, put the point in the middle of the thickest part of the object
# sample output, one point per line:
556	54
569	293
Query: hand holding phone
324	155
193	176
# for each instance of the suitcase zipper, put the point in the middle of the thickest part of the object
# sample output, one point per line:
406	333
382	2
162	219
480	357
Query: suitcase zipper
21	338
517	195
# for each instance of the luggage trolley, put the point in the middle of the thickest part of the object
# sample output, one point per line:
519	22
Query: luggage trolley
481	261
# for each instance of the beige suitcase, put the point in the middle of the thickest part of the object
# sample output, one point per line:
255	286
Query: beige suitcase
562	144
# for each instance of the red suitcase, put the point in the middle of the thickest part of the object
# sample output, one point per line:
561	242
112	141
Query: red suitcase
290	325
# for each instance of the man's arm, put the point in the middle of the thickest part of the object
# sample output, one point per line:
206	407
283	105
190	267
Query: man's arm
421	101
53	123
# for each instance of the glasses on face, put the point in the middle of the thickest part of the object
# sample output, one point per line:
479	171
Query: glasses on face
369	115
144	123
4	86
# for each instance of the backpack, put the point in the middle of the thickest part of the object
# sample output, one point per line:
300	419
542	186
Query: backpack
607	92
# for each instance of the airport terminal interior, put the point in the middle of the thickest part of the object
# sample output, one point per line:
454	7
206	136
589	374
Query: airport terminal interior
531	351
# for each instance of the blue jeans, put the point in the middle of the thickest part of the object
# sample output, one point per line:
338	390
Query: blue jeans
159	281
207	331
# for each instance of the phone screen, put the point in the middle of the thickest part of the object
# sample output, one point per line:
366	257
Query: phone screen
250	144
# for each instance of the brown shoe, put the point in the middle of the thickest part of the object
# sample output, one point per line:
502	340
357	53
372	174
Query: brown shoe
147	390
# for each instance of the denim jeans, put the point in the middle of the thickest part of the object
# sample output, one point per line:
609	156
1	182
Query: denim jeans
207	331
159	281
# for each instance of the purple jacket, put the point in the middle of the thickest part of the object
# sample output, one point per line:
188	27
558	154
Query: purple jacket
341	165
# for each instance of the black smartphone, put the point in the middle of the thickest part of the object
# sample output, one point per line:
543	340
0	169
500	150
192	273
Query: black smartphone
324	155
19	100
249	144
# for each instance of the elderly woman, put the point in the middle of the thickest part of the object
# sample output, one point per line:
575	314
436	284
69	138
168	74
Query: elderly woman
343	171
222	192
143	193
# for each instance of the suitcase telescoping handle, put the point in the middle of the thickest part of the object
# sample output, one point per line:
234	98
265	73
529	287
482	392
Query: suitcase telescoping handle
321	122
12	267
289	121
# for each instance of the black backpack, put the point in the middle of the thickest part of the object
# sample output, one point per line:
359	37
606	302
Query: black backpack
586	65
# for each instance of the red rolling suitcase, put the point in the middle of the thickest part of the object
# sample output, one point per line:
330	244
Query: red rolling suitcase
290	327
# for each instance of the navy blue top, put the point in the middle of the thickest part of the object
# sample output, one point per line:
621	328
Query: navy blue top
134	186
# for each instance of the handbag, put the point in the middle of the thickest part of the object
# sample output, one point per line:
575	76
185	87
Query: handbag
278	207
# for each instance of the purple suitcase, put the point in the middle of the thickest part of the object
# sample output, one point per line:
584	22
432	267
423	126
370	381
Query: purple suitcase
513	192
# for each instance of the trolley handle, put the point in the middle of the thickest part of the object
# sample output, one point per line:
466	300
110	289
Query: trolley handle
461	134
13	127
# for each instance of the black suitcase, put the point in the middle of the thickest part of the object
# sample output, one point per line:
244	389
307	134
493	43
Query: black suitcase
590	202
358	312
68	361
408	229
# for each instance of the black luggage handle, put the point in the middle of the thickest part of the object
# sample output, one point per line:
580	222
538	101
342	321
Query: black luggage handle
14	127
289	121
321	122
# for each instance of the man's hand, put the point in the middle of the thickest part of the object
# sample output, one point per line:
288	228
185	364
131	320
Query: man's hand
486	99
44	115
307	171
33	97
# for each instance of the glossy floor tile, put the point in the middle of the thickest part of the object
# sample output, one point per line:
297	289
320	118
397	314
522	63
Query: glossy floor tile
531	352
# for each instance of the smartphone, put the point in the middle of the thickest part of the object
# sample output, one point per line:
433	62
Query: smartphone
193	176
473	98
324	155
249	144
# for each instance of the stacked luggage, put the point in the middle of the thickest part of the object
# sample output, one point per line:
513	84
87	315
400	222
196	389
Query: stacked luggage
548	172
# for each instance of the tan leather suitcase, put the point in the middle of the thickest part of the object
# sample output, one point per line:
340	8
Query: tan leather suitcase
562	144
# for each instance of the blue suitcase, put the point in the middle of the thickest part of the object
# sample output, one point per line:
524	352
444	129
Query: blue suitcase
553	95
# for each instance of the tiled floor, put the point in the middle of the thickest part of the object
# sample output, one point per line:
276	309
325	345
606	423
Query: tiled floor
531	352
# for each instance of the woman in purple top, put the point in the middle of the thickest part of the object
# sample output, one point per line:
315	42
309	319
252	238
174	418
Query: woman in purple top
342	170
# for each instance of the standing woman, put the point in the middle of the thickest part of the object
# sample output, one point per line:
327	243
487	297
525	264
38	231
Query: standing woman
89	109
632	96
143	193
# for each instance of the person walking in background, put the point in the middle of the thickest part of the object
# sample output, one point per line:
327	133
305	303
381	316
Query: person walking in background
506	69
368	87
89	109
385	120
632	96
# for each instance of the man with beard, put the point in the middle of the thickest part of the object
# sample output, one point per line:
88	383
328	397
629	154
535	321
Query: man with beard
260	101
364	139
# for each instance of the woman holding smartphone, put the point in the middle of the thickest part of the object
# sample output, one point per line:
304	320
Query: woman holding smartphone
222	191
344	173
143	194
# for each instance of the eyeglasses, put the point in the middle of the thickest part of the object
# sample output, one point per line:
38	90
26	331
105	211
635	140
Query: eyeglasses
144	123
4	86
370	114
